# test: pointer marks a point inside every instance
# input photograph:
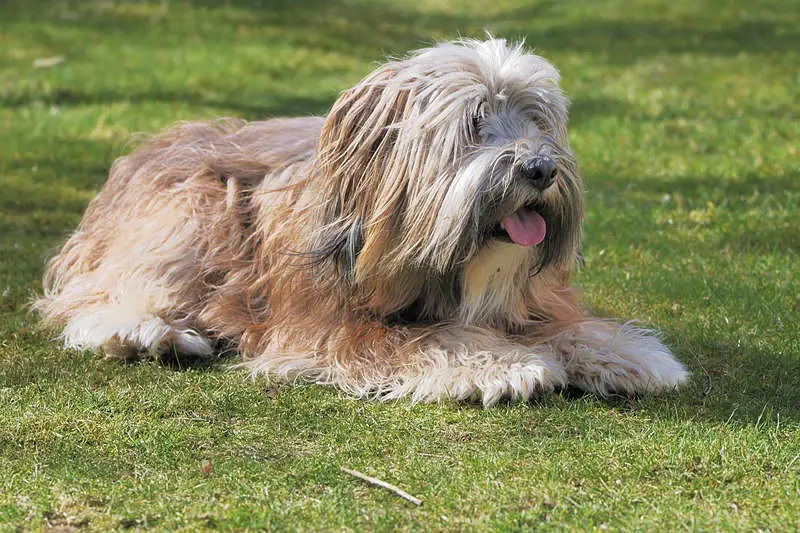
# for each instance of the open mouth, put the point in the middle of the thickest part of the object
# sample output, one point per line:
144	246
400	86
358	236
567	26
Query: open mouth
525	227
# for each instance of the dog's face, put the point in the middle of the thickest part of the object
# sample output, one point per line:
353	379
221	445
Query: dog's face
449	180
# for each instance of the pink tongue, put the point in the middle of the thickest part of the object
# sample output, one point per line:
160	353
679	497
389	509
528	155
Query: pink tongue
525	227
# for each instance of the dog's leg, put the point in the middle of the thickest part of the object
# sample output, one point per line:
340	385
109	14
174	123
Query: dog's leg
139	296
604	357
454	363
126	328
126	319
471	363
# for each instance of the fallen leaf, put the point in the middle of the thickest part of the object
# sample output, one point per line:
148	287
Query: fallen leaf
47	62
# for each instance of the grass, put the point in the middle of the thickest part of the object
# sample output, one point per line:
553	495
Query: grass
685	121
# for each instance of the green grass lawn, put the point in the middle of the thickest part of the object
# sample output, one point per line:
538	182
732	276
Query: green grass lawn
685	120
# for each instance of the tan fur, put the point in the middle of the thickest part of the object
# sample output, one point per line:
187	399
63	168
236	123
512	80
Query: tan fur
352	250
492	280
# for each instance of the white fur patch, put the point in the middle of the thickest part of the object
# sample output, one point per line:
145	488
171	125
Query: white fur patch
604	357
117	329
492	286
488	377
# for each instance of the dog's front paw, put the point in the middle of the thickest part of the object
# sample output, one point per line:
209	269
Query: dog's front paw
487	378
602	358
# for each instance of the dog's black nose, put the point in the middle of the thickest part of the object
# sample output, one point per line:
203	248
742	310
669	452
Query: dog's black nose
540	171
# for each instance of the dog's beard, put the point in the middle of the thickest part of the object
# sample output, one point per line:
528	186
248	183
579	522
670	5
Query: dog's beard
488	201
493	232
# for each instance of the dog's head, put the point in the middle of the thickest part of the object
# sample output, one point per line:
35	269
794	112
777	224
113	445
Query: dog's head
440	167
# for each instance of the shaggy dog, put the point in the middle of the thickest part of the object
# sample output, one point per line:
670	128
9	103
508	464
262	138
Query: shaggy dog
418	241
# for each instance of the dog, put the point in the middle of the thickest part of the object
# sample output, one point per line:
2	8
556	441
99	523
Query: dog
417	242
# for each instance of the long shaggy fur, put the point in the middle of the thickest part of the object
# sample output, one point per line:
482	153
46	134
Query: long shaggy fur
361	249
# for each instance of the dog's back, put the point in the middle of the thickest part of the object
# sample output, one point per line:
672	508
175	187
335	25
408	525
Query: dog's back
152	228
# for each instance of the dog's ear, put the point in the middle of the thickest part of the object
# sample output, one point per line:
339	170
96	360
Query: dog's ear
363	192
342	244
361	123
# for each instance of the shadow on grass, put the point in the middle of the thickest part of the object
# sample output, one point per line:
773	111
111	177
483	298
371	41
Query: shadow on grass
225	356
735	383
273	106
742	383
85	162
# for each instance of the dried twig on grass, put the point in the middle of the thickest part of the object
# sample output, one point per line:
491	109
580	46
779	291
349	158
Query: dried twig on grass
375	481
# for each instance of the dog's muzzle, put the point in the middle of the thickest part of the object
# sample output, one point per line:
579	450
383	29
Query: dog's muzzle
526	226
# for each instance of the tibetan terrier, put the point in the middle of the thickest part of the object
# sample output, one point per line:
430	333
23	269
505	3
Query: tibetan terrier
416	242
